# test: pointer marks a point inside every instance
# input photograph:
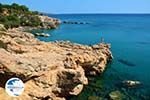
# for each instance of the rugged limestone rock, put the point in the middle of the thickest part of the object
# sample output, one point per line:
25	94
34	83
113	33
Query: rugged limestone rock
50	71
49	23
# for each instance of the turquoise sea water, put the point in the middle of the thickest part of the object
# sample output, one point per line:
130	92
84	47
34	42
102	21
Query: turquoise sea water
129	36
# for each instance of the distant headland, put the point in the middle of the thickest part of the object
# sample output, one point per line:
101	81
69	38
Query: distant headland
15	15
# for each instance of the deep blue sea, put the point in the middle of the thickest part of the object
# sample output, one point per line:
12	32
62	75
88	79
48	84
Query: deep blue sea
129	36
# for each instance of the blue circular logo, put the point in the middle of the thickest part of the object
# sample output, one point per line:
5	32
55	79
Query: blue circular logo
14	87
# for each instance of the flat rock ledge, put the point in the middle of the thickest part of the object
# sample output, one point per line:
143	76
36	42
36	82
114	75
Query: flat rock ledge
50	70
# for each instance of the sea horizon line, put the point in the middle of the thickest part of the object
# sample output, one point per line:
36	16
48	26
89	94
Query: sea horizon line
96	13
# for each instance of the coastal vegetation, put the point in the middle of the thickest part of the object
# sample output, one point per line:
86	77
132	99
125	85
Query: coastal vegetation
18	15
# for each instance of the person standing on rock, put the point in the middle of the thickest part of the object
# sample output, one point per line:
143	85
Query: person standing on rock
102	40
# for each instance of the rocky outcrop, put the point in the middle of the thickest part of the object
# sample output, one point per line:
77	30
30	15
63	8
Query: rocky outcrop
50	71
49	22
74	22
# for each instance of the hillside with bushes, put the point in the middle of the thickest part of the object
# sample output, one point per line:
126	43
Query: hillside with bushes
15	15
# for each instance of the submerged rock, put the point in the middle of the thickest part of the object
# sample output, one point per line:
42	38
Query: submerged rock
95	98
52	70
42	34
144	42
125	62
131	83
116	95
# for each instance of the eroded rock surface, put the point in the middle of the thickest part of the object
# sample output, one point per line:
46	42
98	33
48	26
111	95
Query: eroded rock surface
50	71
49	22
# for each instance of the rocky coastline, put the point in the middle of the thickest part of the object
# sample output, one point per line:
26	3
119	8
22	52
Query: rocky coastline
47	23
50	70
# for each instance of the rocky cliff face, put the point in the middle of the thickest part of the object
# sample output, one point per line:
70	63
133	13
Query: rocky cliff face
50	71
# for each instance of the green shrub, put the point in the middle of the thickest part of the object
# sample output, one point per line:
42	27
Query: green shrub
10	21
18	15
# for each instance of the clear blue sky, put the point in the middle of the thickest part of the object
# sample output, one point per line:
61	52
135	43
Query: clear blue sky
85	6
